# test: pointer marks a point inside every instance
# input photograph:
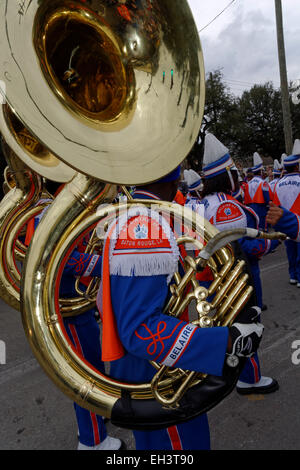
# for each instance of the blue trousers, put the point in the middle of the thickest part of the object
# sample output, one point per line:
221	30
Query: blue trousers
84	333
251	373
293	254
192	435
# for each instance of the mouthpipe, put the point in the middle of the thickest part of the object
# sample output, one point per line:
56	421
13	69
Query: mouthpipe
227	236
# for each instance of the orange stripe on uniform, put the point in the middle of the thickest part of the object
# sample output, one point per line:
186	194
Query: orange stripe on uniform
247	198
112	348
180	198
259	196
276	199
296	206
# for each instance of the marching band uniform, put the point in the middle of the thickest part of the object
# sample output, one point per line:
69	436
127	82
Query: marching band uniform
257	192
225	212
289	224
195	185
137	269
276	176
287	195
180	198
84	332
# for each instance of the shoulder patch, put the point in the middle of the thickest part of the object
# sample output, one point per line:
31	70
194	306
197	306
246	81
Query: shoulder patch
230	215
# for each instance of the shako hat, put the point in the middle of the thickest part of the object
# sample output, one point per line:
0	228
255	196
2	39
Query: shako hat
257	163
293	159
193	180
276	168
216	158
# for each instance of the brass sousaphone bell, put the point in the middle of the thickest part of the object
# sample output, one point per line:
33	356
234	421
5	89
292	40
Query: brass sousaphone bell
115	90
29	162
27	198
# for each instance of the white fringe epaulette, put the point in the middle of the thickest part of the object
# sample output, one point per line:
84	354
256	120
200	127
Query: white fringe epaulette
143	261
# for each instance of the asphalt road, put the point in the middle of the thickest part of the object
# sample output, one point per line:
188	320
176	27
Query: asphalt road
36	415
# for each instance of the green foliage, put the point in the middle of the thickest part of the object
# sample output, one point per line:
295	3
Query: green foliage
247	124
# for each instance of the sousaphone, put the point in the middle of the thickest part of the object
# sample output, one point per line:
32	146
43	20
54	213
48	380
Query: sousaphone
115	90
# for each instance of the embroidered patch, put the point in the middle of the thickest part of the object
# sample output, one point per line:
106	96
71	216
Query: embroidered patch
156	344
229	215
180	345
142	232
91	265
228	211
143	244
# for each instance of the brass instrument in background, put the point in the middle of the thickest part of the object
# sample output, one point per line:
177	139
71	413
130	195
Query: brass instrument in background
32	199
28	163
15	203
31	189
118	95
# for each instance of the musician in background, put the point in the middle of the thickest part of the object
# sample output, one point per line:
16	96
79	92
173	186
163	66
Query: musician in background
195	186
287	195
276	176
133	293
257	192
225	212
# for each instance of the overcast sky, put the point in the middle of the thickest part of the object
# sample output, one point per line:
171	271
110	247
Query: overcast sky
242	41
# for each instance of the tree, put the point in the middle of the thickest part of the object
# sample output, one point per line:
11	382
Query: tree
220	115
247	124
295	112
261	116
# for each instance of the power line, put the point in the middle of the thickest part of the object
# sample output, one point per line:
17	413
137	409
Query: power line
239	81
219	14
232	82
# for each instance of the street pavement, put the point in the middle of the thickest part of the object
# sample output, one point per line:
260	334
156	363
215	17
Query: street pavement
35	415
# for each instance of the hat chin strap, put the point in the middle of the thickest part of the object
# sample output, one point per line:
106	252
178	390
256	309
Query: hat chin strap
231	178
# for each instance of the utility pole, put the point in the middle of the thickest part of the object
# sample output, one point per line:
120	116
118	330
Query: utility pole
284	81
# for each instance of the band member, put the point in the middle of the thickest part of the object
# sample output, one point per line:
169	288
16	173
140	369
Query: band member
276	176
132	296
249	175
84	332
195	185
225	212
287	195
257	192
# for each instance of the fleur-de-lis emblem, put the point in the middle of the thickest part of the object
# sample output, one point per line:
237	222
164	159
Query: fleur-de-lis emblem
141	232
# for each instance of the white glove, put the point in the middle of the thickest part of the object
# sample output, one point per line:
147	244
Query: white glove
246	334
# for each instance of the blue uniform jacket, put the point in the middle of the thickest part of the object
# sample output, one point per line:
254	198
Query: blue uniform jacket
289	224
149	335
256	248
